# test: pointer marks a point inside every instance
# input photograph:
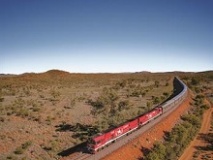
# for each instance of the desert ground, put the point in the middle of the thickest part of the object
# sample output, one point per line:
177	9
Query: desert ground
42	114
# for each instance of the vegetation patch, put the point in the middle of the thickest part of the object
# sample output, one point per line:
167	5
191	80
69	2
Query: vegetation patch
177	140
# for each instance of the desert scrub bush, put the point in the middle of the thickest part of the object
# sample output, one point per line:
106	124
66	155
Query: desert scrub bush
148	105
199	99
1	99
12	157
19	103
156	100
107	97
98	104
2	137
137	93
23	112
157	83
26	145
55	94
23	147
2	119
166	94
195	81
41	96
123	105
192	119
158	153
2	109
120	85
54	145
36	109
26	91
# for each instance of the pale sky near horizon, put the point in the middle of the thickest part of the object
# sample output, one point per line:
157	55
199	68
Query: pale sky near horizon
106	36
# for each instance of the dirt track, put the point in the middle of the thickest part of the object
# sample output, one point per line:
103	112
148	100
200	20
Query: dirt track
188	153
136	148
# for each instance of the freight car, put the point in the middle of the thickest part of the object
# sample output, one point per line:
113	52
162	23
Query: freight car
101	140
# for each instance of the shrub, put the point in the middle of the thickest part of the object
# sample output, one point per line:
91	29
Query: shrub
158	153
157	83
156	100
148	104
55	94
36	109
26	144
204	106
12	157
1	99
2	119
165	94
23	147
194	81
98	104
123	105
23	112
194	120
19	150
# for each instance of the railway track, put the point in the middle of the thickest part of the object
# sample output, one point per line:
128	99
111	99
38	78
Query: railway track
81	156
81	152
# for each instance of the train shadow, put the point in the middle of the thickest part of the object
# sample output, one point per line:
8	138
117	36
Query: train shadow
80	148
79	131
177	89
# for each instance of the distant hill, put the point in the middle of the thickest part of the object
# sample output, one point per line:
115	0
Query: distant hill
210	71
7	75
55	72
143	72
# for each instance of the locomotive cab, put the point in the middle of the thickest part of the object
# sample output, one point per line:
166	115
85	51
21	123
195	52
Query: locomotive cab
95	143
91	145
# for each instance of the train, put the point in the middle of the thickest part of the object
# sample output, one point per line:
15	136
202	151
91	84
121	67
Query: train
101	140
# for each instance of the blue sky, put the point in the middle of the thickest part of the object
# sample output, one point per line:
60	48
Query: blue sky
106	35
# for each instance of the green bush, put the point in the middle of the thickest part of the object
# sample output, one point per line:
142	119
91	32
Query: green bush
158	152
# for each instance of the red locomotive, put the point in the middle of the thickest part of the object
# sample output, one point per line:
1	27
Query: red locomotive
102	139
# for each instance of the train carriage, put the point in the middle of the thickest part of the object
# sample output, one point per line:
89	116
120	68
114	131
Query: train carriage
142	120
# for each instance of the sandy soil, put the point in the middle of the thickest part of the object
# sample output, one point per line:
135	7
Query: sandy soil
191	149
136	148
